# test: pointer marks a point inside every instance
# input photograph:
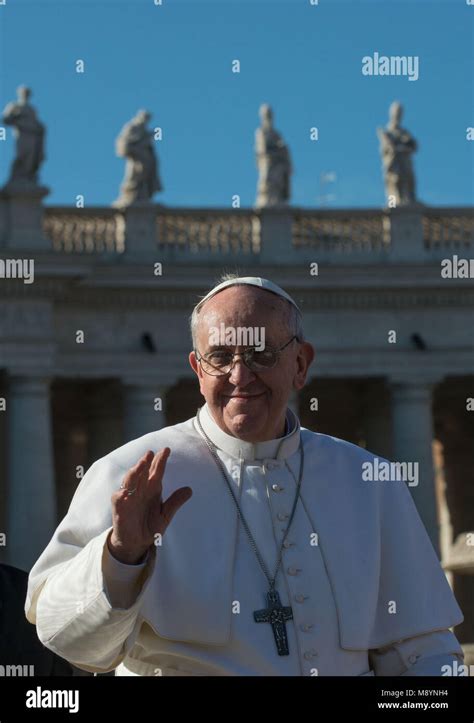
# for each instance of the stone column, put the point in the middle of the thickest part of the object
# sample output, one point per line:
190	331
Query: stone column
412	441
143	407
140	229
30	470
3	469
104	430
377	421
276	235
23	218
456	434
404	228
3	219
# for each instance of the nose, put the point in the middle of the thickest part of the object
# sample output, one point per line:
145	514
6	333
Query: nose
240	375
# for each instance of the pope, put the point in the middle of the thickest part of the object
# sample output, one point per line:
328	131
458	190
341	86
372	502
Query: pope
238	542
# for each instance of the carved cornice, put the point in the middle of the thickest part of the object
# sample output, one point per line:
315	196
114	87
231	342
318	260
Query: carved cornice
98	298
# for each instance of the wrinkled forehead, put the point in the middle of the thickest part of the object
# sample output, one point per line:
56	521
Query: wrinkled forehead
245	306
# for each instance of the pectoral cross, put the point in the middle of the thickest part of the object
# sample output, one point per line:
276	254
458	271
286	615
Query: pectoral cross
277	615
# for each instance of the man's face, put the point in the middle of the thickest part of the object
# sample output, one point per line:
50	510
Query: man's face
246	404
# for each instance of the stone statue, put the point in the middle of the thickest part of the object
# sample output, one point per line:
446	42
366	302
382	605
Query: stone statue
396	148
273	163
135	143
29	134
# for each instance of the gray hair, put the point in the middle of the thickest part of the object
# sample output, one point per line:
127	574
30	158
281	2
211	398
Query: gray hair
295	322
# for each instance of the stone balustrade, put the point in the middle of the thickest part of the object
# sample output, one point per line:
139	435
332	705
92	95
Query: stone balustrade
450	229
79	231
289	235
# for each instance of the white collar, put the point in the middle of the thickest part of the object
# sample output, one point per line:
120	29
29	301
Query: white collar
279	449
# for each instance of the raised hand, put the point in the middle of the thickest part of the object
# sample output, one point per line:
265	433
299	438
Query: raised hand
138	511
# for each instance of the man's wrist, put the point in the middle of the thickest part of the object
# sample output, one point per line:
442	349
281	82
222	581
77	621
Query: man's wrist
126	557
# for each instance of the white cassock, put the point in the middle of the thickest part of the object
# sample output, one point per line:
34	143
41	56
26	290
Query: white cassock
367	591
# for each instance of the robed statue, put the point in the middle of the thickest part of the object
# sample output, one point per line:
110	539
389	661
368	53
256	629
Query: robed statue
135	143
273	163
29	134
396	147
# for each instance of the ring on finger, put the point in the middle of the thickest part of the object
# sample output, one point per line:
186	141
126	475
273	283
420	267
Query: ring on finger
130	491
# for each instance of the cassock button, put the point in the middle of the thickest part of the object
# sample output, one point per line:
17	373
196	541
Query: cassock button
309	654
270	464
413	658
306	627
287	544
293	570
282	517
301	598
277	488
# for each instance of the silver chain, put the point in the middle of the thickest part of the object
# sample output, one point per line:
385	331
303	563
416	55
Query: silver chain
212	449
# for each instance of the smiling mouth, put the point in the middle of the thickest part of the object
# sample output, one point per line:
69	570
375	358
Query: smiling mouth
243	396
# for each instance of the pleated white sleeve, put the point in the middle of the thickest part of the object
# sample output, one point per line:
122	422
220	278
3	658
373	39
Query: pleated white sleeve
421	655
87	610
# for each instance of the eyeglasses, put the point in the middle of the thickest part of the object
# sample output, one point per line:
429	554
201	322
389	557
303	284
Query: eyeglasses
221	362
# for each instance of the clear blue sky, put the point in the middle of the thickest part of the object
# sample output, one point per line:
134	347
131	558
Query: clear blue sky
175	60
